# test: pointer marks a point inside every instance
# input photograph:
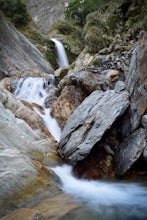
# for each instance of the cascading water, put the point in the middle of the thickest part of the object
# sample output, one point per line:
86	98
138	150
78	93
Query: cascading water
106	200
35	90
61	54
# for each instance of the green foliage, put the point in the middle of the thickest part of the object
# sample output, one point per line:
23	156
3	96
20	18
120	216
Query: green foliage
77	10
15	10
72	38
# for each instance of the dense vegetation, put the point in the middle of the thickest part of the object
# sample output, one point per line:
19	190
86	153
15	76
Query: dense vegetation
16	11
100	21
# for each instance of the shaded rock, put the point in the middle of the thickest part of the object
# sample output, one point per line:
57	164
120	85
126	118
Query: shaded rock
136	81
56	208
69	99
19	109
16	133
18	55
59	207
144	121
89	122
22	183
85	80
129	151
24	214
145	154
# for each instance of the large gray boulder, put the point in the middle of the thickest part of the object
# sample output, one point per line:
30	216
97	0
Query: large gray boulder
129	151
18	55
136	80
89	122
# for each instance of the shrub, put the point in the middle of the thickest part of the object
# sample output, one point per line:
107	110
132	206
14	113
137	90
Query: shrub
16	10
77	10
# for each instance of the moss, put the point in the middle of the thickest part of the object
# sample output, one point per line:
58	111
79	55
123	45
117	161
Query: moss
72	38
43	43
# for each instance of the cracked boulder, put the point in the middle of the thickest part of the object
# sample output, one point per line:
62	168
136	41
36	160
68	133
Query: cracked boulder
90	121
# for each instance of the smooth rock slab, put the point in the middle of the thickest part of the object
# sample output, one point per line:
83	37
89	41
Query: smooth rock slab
89	122
130	151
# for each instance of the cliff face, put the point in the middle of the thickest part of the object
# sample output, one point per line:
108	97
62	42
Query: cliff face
18	55
45	12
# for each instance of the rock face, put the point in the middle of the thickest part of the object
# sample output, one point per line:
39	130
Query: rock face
69	99
56	208
45	12
136	82
21	183
129	151
18	55
89	122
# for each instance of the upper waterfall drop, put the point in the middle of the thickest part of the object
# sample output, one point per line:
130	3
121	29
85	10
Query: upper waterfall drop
61	54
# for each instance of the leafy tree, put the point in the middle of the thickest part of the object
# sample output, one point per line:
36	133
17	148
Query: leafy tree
16	10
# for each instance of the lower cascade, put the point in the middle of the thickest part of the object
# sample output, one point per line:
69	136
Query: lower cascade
34	90
101	200
105	200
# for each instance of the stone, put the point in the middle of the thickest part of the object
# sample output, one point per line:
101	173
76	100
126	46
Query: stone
22	182
68	100
56	208
85	80
19	109
136	81
89	121
144	121
145	154
129	151
24	214
16	133
18	55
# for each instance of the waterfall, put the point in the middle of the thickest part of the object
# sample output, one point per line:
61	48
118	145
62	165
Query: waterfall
35	90
61	54
106	200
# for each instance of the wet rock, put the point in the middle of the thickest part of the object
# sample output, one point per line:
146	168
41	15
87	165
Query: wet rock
129	151
22	183
19	109
69	99
56	208
18	55
89	122
136	81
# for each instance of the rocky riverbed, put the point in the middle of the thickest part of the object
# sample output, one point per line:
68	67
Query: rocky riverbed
100	104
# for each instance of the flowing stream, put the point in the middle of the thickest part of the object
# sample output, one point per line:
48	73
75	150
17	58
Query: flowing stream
35	90
103	200
62	59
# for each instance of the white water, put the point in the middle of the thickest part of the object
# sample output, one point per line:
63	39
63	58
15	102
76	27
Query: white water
35	90
106	200
61	54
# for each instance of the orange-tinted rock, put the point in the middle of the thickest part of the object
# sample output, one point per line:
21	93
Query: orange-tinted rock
69	99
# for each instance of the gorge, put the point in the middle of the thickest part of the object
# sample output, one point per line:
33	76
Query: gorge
72	136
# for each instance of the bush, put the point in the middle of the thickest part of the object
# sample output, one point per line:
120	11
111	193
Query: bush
77	10
16	10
